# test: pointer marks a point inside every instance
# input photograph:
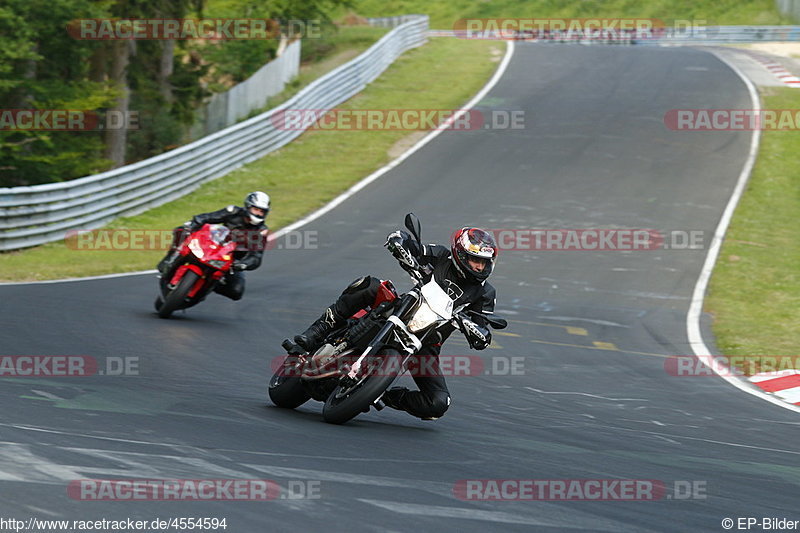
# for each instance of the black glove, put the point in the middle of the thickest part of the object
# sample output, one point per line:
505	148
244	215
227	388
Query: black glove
396	243
395	240
479	337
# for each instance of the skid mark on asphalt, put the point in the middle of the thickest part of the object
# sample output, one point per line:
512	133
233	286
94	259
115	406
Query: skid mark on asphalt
533	389
444	489
19	462
435	487
566	519
589	320
439	511
192	448
97	397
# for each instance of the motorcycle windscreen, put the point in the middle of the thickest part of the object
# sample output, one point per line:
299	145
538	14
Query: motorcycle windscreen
219	233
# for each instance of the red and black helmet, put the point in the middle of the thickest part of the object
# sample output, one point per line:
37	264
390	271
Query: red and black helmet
479	246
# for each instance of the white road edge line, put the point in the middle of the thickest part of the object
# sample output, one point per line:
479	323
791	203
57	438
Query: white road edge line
699	347
349	192
87	278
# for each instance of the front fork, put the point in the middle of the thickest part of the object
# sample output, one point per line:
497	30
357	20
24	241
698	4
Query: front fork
406	302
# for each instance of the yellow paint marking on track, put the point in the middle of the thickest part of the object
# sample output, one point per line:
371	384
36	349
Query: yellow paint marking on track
605	345
596	348
506	334
572	330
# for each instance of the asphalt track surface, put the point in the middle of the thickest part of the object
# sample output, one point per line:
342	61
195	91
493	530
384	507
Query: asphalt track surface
598	405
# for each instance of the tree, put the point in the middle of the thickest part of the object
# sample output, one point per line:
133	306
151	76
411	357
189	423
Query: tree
42	67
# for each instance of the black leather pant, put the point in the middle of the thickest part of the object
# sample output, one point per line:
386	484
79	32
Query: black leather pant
233	287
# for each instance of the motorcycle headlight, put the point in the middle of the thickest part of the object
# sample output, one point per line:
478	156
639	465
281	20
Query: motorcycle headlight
194	246
423	317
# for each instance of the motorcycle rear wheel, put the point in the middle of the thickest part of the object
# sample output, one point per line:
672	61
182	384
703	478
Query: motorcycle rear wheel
287	391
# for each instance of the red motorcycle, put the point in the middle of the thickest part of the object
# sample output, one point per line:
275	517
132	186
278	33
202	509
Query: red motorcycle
204	257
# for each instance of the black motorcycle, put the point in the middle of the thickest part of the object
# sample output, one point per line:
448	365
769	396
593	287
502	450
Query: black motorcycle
358	362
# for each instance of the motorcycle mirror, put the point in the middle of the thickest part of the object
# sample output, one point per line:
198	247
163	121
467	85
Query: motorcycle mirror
498	323
413	225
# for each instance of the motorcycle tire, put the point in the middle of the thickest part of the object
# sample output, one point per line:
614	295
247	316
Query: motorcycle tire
175	299
342	406
287	391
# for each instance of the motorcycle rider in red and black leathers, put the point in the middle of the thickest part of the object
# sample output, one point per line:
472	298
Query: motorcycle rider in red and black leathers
461	271
247	229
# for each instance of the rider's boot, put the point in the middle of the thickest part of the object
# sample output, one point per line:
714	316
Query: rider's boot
165	265
311	339
394	397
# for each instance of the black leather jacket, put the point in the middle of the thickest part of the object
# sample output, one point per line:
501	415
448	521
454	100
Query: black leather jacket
437	263
252	239
481	296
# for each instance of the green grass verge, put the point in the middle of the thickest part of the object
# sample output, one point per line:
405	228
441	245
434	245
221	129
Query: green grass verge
754	294
301	176
444	13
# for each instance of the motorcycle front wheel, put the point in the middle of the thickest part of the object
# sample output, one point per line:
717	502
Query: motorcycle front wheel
348	401
175	299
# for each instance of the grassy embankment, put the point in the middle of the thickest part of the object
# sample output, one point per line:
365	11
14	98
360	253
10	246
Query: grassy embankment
301	176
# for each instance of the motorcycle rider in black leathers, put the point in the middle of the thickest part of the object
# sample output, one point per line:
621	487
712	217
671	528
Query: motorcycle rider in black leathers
247	228
461	271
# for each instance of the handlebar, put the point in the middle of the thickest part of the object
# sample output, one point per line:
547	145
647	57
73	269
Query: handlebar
495	323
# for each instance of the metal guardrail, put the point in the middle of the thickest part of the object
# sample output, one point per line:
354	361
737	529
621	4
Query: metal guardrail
709	35
225	109
30	216
713	35
391	22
